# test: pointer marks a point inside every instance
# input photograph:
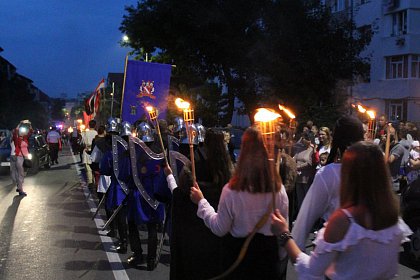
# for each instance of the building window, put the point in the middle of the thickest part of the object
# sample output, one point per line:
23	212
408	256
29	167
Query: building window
397	67
399	23
397	109
337	5
415	66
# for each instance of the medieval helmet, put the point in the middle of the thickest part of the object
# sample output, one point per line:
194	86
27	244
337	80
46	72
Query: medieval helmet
184	136
144	132
201	130
126	129
178	124
113	126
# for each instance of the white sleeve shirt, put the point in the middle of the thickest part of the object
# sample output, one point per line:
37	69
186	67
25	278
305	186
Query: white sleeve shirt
239	211
322	199
53	137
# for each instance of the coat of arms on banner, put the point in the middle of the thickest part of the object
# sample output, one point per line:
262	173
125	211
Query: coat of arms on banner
146	89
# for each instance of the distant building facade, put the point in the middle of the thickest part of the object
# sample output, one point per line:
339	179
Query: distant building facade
394	85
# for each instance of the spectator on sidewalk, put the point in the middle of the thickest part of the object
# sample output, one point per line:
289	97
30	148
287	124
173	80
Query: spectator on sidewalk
323	198
362	238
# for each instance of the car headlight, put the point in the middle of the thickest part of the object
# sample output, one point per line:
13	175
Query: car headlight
29	156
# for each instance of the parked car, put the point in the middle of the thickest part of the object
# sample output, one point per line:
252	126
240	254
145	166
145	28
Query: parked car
5	151
38	150
40	153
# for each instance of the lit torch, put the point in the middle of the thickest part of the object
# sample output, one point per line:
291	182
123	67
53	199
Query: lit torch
292	126
371	124
265	119
292	117
371	131
153	114
189	121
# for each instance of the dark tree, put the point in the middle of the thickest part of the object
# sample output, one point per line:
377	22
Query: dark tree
291	49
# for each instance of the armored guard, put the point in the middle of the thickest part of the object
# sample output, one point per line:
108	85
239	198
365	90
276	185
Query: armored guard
143	208
112	162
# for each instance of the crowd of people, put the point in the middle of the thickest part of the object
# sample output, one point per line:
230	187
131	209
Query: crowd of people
238	212
249	215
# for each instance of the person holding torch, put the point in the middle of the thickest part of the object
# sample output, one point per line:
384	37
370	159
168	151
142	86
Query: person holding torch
245	199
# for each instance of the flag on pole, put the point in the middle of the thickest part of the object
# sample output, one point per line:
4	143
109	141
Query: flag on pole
92	103
145	84
86	118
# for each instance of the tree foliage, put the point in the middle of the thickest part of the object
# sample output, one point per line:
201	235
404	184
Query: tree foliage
254	50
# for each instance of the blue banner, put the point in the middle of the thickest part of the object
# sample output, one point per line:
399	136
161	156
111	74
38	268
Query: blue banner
145	84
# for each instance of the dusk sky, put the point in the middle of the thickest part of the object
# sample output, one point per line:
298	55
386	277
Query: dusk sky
63	46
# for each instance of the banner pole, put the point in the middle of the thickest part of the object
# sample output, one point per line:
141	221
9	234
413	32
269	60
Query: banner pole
112	98
123	89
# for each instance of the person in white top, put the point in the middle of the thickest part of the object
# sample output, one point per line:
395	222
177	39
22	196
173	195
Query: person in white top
54	143
87	138
323	198
245	202
362	239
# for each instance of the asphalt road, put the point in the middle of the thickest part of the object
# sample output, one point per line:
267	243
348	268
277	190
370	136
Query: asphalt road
49	234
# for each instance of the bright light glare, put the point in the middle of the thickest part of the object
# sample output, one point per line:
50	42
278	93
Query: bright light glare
29	156
180	103
265	115
371	114
150	109
287	111
361	109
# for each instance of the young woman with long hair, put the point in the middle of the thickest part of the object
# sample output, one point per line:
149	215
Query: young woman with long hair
195	250
244	201
362	238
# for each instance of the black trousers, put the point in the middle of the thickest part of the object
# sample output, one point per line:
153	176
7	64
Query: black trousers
135	242
53	151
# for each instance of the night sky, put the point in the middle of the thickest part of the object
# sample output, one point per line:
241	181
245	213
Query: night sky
63	46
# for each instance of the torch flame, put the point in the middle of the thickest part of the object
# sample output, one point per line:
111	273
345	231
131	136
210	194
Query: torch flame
150	109
265	115
371	114
180	103
361	109
287	111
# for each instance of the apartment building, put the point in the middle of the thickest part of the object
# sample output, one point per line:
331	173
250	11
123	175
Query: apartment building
394	85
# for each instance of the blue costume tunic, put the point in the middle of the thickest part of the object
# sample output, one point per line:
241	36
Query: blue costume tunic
116	194
153	180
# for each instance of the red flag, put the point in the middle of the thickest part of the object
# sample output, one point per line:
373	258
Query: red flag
92	103
86	117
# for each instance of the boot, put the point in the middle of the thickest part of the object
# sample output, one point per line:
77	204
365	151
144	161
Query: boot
136	259
122	247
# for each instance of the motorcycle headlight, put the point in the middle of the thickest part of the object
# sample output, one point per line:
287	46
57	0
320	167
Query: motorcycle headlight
29	156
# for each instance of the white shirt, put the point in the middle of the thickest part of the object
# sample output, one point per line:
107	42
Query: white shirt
53	137
87	137
322	199
239	211
362	254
